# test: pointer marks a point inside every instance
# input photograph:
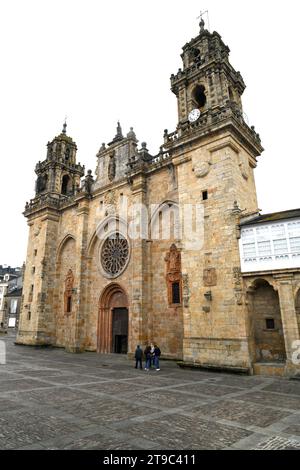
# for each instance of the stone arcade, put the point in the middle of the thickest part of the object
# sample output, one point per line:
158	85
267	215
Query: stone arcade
90	286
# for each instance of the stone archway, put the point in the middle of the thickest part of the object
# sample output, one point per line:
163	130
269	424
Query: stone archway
267	329
112	335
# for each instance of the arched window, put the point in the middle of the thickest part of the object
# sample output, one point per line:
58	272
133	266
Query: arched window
67	154
65	186
199	96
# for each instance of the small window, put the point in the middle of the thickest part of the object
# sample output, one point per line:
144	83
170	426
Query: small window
29	316
33	270
31	288
35	252
204	195
69	304
270	323
175	293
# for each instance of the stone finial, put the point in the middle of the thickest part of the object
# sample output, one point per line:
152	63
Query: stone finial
101	149
64	130
119	135
119	130
88	183
131	134
236	209
202	24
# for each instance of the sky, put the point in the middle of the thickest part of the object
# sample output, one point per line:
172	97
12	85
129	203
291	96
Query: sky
97	62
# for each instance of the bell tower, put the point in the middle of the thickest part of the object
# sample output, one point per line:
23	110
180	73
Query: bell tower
207	81
214	153
59	175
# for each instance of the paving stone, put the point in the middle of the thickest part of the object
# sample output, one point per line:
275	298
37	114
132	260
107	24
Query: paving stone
284	386
52	395
181	432
273	399
238	381
26	428
293	429
76	379
278	443
19	384
115	388
7	376
241	412
103	410
50	399
207	389
96	442
161	398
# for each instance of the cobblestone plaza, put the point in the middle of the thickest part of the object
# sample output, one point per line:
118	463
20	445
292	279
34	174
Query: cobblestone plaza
51	399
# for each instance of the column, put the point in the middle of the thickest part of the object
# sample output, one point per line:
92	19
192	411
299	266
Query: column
288	316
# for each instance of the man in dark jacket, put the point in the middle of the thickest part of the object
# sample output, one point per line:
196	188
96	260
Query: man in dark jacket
138	357
156	357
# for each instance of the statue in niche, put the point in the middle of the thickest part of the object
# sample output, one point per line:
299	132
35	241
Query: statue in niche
173	259
69	280
41	184
112	167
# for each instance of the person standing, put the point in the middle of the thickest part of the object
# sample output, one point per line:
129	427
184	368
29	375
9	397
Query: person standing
152	355
138	357
147	353
156	357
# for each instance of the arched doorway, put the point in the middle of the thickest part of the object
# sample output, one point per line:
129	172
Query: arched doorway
113	320
267	324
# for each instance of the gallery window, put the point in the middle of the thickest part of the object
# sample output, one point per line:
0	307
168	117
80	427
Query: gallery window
69	304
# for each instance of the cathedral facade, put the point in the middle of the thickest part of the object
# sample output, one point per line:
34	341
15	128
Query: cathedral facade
147	249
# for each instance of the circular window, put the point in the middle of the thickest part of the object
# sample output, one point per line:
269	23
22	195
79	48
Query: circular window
114	254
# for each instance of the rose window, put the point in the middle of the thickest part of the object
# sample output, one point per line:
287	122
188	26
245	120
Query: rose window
114	254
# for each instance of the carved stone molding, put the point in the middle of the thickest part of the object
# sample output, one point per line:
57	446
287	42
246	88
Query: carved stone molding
185	290
238	285
244	170
68	294
237	276
210	277
239	295
201	169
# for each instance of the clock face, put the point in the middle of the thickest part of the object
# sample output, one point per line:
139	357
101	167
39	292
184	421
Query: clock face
194	115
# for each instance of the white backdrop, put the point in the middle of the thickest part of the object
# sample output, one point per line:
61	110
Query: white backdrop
100	61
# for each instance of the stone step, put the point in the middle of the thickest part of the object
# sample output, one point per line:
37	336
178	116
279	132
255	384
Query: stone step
269	368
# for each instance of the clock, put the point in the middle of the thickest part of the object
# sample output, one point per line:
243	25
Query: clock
194	115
